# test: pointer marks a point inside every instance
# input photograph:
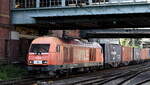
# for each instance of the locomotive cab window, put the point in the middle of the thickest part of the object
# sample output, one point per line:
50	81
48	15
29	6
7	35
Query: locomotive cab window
43	48
58	48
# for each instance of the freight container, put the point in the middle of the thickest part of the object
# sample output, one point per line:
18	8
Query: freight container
127	55
136	54
105	40
144	54
112	54
148	53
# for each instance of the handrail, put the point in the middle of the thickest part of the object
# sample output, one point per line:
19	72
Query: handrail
68	3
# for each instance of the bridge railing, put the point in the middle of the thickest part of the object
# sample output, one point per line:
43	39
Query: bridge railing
69	3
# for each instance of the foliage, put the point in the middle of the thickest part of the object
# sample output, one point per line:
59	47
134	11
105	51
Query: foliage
11	71
131	42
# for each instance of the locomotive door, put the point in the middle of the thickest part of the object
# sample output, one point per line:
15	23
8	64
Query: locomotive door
68	54
92	56
60	53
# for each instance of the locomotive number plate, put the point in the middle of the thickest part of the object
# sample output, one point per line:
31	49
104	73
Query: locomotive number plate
37	62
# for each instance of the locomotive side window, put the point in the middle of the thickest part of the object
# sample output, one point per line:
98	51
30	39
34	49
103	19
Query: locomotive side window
58	48
43	48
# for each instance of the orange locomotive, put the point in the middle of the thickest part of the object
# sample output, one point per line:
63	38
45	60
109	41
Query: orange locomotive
53	54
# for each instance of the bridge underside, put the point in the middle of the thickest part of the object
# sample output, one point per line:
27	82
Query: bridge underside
98	21
118	33
88	17
93	21
123	15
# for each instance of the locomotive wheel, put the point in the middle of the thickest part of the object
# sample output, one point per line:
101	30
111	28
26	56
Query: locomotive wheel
86	69
107	66
81	69
93	69
52	74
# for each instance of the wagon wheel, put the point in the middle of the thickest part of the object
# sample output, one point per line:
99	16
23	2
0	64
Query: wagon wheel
126	63
115	64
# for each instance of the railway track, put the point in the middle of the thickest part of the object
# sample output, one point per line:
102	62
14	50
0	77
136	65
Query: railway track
124	79
114	79
18	81
144	82
26	80
139	79
119	76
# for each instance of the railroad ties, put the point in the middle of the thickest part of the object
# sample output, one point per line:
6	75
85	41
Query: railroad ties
129	75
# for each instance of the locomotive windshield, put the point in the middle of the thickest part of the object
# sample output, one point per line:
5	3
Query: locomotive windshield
42	48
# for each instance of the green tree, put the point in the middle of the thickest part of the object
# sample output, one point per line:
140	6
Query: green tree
131	42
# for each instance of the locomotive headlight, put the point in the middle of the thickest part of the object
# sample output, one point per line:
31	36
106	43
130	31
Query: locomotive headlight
30	62
44	62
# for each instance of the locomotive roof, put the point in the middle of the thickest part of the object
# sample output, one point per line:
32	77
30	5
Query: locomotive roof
47	40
